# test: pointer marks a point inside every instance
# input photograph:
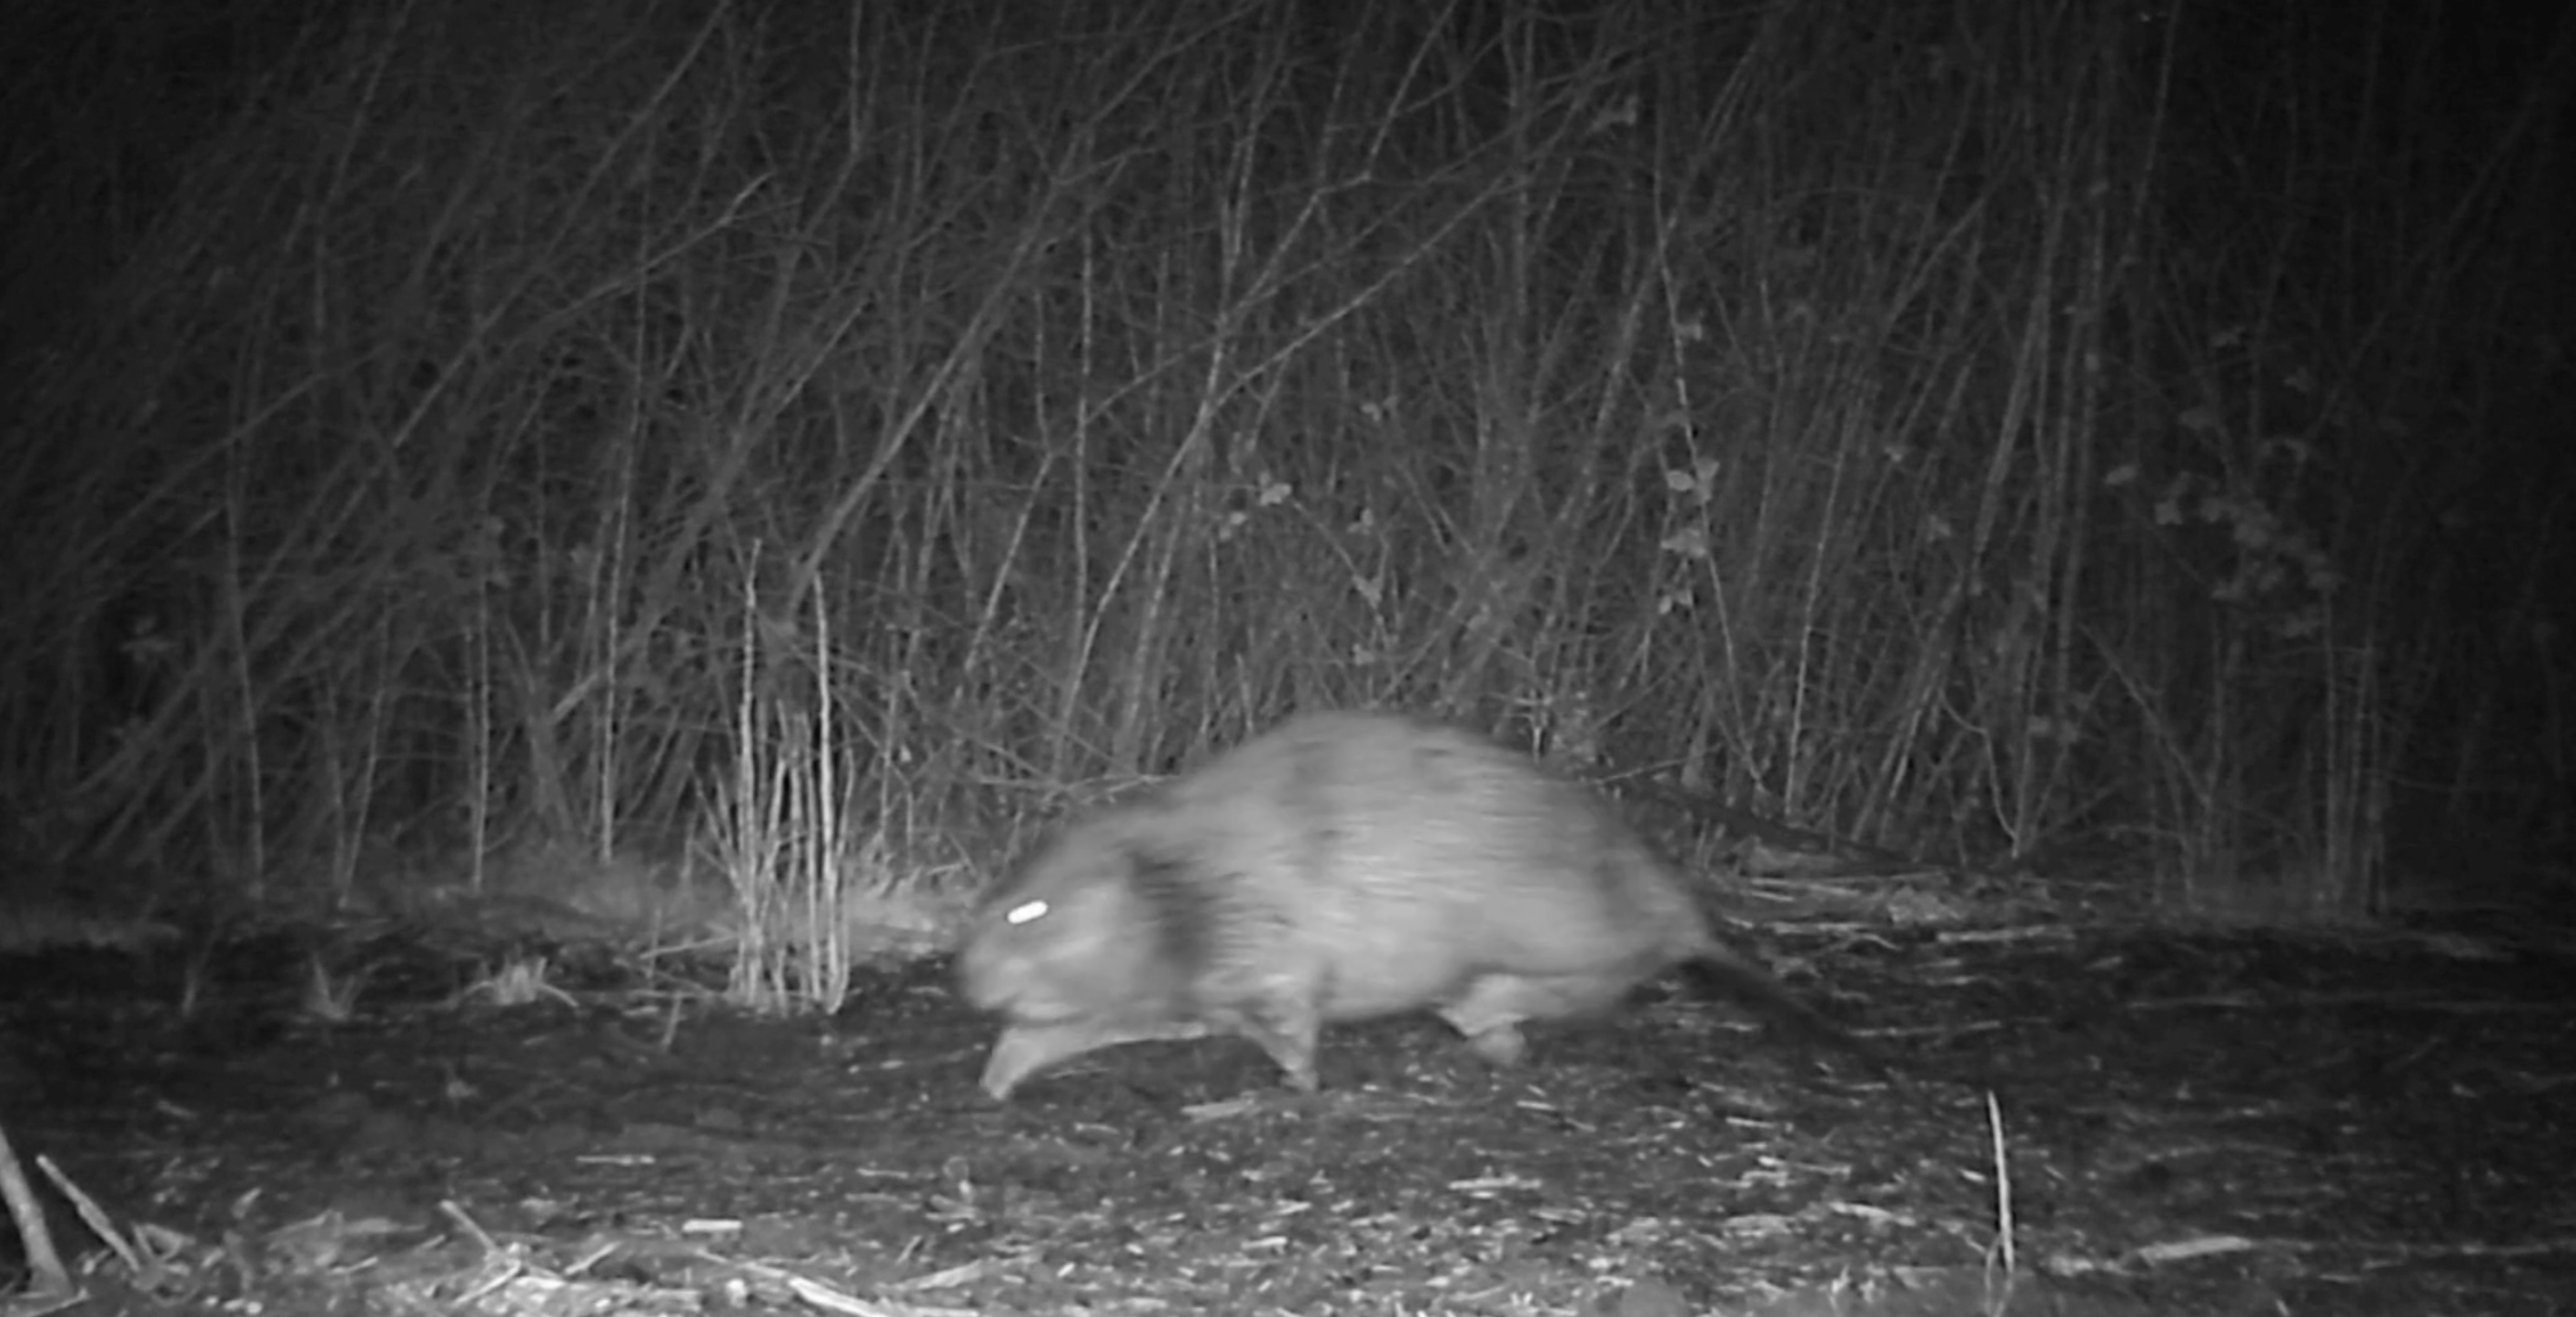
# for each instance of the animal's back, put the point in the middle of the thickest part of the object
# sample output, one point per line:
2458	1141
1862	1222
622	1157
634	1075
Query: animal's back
1414	857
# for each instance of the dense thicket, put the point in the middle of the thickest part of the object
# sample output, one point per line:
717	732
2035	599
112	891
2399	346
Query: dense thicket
1963	427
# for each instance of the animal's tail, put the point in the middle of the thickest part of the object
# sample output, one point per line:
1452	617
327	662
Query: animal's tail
1721	972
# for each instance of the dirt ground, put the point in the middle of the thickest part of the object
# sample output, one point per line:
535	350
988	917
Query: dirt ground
2189	1123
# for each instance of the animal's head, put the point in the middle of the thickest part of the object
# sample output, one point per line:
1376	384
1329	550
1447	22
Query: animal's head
1073	933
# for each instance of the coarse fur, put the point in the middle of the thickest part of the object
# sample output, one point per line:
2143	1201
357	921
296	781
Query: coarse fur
1340	867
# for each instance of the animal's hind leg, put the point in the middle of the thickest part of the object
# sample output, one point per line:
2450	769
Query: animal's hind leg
1490	1011
1489	1015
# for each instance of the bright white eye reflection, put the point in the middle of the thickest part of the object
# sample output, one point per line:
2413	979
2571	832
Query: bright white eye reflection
1025	912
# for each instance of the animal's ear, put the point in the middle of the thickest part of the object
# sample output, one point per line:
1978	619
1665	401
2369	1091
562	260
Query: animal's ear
1150	867
1168	887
